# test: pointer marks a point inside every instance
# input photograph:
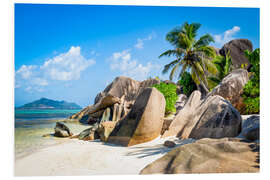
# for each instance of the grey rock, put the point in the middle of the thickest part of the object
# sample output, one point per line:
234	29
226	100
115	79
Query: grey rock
236	48
212	117
61	130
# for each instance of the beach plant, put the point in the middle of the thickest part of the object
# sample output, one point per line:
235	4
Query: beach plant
187	84
251	91
224	67
170	95
190	54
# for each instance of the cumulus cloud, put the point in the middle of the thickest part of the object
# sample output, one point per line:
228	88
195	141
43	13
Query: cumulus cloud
226	36
123	62
26	71
67	66
140	41
64	67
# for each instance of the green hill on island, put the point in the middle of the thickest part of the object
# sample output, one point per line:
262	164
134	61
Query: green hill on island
45	103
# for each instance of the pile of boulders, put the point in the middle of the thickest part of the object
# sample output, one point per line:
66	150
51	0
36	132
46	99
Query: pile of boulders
129	112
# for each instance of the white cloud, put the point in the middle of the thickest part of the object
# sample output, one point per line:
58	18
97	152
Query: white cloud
26	71
64	67
226	36
122	62
140	41
67	66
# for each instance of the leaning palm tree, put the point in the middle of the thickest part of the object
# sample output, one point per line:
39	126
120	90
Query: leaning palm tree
190	54
224	66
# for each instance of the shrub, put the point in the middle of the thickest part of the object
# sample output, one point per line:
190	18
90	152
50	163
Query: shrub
251	91
169	92
187	84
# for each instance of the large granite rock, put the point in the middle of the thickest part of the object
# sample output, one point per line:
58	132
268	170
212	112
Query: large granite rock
227	155
127	87
251	128
212	117
61	130
144	122
120	95
231	88
236	48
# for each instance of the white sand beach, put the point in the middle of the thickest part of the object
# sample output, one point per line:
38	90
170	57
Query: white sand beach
77	157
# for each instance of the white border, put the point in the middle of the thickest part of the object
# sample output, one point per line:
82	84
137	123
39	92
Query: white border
7	80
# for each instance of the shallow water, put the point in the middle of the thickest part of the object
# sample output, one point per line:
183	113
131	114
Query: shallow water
29	131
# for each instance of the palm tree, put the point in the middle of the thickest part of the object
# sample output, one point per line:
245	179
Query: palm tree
191	54
223	65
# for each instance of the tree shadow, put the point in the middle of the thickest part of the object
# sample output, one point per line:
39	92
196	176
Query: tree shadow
145	151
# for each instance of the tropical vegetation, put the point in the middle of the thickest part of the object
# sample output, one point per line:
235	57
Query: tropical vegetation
187	84
251	92
224	67
170	95
190	54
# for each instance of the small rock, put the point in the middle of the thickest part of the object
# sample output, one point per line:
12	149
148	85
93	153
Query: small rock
89	134
61	130
169	144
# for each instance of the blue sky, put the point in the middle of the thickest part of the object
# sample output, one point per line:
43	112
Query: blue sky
71	52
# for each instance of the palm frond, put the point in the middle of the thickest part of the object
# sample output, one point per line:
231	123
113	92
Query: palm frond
167	67
173	36
184	41
228	62
204	40
184	68
207	50
174	70
210	66
194	76
213	81
169	53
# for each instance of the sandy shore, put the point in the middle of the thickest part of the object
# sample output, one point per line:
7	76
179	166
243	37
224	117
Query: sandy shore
91	158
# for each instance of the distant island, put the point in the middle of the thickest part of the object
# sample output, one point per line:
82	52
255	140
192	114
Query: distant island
45	103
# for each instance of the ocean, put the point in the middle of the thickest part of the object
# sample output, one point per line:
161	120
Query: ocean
31	125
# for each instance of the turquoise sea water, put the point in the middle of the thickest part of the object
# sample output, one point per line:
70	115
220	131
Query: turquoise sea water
30	125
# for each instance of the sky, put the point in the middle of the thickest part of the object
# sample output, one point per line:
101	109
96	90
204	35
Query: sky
72	52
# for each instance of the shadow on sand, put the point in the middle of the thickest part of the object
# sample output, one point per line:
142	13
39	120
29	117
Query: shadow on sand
143	151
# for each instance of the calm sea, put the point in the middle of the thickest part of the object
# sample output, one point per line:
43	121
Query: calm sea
30	125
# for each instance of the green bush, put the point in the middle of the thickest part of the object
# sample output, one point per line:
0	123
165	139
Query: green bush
169	92
187	84
251	91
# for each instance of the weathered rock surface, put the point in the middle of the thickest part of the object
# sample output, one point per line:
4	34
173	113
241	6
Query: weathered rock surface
181	101
89	134
251	128
61	130
127	87
120	95
236	48
144	122
105	129
106	115
212	117
231	88
166	125
227	155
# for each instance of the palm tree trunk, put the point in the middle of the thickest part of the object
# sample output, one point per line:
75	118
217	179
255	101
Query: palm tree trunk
205	89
